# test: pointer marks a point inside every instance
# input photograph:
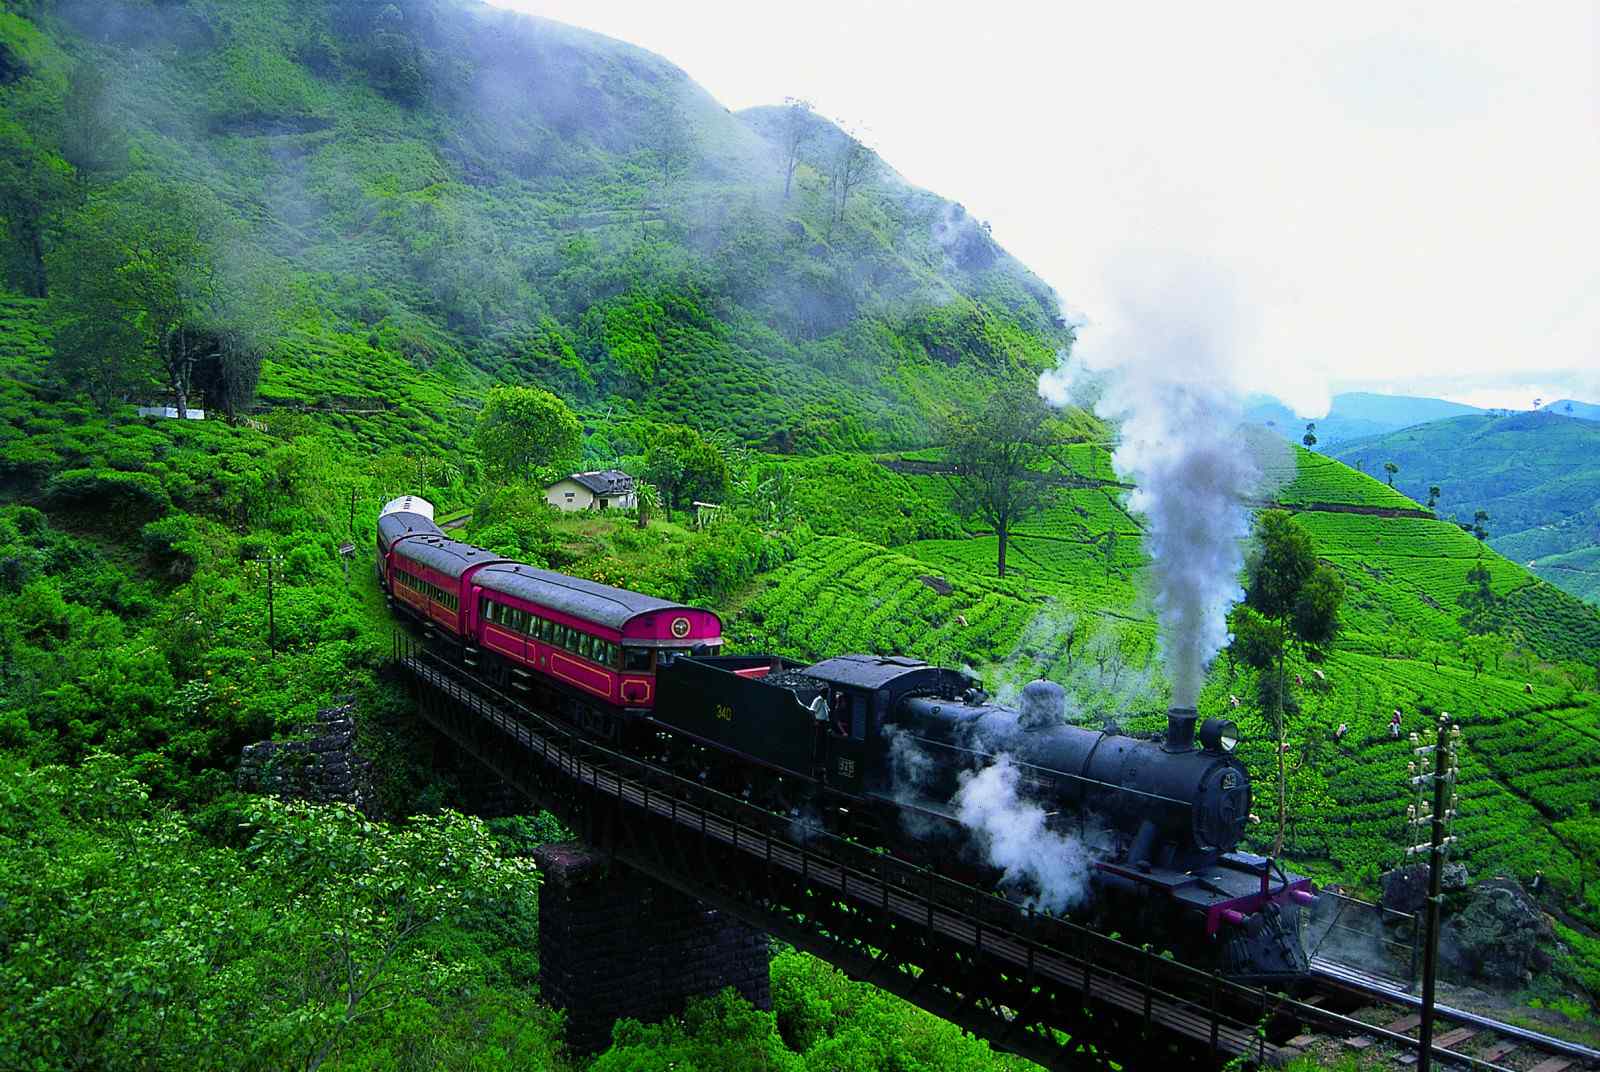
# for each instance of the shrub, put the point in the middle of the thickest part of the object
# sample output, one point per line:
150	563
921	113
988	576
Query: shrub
172	544
111	498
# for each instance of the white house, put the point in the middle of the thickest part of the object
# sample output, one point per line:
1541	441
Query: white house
602	489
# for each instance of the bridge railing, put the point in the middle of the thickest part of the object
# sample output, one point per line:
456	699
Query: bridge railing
1032	948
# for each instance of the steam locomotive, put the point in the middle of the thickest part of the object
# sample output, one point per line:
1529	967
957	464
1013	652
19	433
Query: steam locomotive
876	748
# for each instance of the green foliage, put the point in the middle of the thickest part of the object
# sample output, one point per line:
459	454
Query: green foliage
994	446
686	467
107	497
306	935
528	433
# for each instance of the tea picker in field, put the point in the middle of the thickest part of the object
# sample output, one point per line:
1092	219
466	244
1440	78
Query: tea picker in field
1394	724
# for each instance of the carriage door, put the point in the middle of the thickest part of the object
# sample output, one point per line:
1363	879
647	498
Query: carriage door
848	716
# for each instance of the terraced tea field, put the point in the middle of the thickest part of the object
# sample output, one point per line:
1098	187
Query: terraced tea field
1532	752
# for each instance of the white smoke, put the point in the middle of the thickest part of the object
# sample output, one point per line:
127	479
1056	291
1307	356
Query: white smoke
1015	837
1160	368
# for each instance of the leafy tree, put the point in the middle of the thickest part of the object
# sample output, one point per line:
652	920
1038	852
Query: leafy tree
1480	649
1478	529
1482	606
143	252
528	433
647	501
685	467
766	494
91	139
673	139
1310	438
33	183
1291	600
853	165
799	127
1391	468
994	447
1433	495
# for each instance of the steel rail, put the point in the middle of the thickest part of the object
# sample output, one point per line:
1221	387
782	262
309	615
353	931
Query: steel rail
1361	982
1101	981
1096	980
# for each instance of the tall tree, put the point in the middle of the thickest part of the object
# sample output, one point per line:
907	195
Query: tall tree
1310	438
91	139
528	433
1291	600
853	166
145	253
994	447
1391	468
686	467
33	183
1433	495
799	127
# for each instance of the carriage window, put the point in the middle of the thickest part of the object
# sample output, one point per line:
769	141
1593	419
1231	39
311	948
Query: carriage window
584	645
636	659
858	717
547	629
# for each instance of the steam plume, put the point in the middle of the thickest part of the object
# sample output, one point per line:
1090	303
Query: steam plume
1014	837
1160	369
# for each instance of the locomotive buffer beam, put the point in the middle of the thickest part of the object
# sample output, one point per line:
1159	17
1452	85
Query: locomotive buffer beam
1038	986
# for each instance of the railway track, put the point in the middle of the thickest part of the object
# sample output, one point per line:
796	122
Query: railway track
1149	996
1494	1042
1130	982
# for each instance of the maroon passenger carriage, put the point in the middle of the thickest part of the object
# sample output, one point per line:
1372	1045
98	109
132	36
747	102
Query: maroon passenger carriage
535	630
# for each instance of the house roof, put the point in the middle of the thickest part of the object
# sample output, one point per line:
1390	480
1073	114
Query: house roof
604	481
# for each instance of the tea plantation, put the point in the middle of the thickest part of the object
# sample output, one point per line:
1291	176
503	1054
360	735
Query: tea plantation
1072	607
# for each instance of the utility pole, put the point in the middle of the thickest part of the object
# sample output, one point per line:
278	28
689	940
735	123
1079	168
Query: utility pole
272	622
1446	766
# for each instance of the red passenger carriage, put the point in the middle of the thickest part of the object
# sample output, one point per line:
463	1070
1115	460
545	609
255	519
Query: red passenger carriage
527	628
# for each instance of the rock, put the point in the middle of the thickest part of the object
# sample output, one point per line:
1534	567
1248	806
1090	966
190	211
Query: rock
1497	936
1405	889
324	767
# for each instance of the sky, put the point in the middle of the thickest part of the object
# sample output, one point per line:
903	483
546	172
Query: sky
1388	196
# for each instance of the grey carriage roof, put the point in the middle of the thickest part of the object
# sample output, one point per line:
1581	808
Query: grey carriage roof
450	557
589	600
403	522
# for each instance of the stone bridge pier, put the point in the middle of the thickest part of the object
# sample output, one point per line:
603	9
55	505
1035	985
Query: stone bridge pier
615	944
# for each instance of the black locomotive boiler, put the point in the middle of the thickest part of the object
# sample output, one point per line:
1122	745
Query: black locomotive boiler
879	747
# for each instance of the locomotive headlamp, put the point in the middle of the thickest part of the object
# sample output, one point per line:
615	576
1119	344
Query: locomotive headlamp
1219	735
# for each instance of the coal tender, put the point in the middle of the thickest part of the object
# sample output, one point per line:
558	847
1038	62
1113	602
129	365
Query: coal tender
879	747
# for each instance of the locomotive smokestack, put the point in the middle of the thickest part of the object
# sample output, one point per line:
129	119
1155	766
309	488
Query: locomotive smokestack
1180	729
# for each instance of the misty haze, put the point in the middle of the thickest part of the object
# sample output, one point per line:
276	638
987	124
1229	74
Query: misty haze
607	537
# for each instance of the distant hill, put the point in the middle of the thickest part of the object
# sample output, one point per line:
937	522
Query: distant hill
1537	474
1568	407
1354	415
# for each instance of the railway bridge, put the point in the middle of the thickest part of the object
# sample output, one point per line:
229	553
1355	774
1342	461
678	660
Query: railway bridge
1042	987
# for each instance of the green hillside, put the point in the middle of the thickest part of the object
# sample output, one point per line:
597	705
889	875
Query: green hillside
1537	475
410	203
444	186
